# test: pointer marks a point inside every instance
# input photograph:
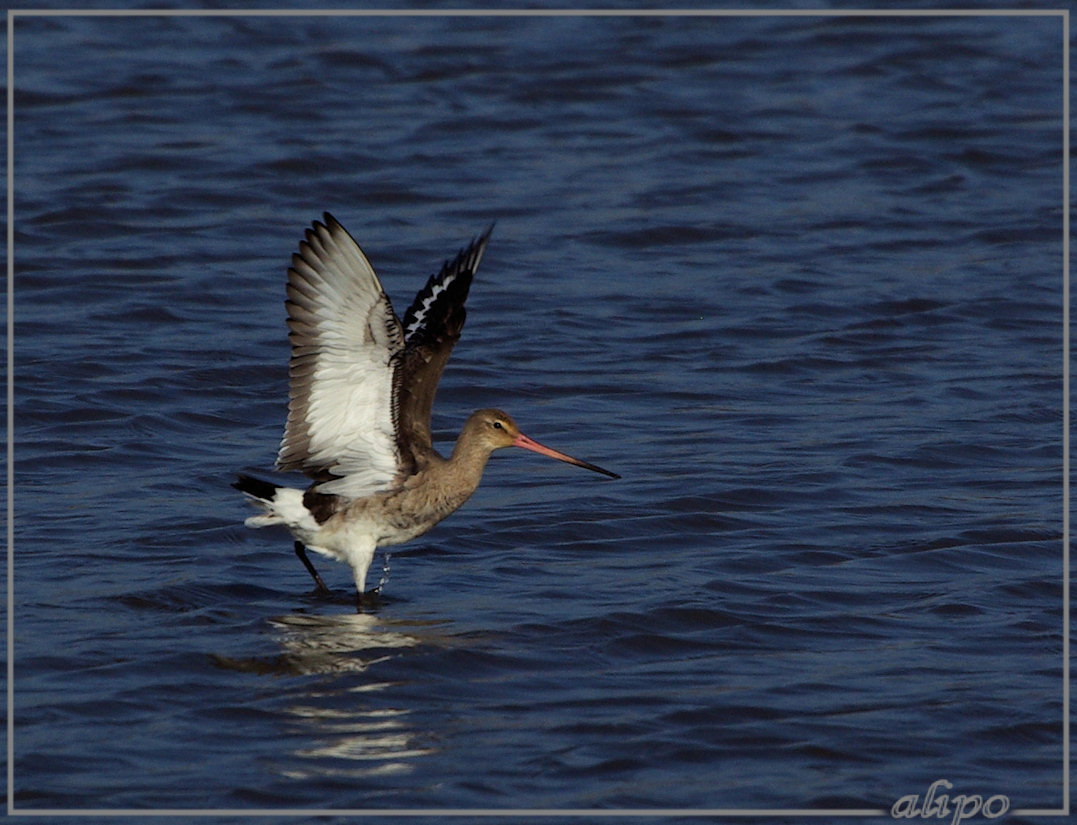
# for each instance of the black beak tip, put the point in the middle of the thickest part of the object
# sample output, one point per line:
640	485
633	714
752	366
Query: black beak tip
598	469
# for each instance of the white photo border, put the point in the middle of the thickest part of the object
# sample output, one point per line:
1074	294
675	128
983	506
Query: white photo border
14	14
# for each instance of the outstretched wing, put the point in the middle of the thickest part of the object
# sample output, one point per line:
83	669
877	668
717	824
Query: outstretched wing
432	327
344	335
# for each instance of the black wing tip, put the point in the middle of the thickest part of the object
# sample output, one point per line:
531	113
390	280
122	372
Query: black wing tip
467	259
456	275
479	243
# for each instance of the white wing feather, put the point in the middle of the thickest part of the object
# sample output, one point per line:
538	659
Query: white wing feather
344	335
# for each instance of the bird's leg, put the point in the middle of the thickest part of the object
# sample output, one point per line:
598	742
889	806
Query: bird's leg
301	551
364	598
367	599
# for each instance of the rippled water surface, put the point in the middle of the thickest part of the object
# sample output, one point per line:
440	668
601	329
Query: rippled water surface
797	279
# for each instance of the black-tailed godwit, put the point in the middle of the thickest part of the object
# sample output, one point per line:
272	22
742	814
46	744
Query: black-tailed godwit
362	383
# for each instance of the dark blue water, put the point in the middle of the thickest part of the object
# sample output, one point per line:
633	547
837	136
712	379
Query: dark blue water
799	280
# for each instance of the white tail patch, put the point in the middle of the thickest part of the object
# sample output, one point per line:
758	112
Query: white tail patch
287	508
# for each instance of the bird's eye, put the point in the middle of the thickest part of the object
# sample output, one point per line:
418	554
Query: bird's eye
498	425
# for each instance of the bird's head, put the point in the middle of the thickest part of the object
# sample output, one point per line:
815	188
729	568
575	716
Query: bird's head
495	429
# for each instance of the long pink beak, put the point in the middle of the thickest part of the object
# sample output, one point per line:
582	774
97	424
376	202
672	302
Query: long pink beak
528	444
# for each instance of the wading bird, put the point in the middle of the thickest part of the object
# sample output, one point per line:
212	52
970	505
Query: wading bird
362	383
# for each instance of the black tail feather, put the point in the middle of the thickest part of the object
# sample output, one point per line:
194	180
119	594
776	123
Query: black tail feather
256	487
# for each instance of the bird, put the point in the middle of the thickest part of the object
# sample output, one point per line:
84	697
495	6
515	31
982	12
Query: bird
362	383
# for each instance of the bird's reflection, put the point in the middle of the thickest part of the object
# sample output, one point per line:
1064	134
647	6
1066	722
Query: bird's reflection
342	727
345	642
356	743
